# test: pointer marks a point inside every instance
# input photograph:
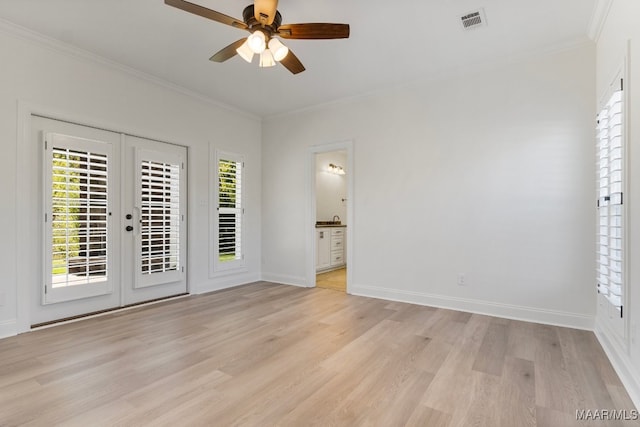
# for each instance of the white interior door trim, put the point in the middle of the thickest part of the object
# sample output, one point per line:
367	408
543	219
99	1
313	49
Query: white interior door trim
311	209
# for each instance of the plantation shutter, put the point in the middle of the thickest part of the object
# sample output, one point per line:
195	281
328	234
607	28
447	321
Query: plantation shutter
160	217
159	202
610	157
78	217
230	211
77	222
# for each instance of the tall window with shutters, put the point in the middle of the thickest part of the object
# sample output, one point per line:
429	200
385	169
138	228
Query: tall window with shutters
229	251
611	176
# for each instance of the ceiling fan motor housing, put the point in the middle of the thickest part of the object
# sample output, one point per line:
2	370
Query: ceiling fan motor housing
250	19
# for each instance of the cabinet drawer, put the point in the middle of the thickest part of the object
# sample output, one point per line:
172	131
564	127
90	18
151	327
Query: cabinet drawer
337	231
337	243
337	258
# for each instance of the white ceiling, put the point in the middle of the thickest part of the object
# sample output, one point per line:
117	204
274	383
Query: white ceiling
392	42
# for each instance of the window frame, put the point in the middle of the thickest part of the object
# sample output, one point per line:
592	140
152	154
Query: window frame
218	267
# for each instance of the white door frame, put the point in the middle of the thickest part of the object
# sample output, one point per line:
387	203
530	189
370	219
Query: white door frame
311	209
25	242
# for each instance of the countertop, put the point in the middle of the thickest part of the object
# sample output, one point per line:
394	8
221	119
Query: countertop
330	226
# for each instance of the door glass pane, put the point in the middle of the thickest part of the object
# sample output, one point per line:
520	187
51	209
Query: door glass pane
79	217
160	217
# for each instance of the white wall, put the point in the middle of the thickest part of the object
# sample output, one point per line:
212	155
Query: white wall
50	78
620	27
490	174
331	189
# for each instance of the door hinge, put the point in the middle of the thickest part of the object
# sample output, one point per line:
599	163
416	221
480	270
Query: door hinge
183	218
45	289
182	165
621	84
183	268
45	144
45	217
621	307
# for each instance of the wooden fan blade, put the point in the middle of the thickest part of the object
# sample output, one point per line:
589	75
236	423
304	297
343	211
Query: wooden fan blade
292	63
207	13
265	11
227	52
314	31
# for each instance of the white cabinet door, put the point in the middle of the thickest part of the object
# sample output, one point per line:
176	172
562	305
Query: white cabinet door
323	248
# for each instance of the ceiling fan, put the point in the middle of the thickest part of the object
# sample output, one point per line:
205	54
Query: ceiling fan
264	22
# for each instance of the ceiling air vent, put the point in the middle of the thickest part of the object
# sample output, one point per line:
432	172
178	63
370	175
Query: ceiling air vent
473	19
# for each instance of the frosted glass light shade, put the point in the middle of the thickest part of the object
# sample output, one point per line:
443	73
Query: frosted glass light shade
279	50
257	41
245	52
266	59
335	169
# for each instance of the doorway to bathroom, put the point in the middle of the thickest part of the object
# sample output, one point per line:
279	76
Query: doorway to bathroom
331	213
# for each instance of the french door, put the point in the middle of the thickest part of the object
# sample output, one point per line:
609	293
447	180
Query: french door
155	220
113	220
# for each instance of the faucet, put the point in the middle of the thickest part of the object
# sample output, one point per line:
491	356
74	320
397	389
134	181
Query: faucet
335	218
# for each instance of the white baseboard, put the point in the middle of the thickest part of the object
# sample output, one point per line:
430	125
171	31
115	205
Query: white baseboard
225	282
285	279
528	314
8	328
621	362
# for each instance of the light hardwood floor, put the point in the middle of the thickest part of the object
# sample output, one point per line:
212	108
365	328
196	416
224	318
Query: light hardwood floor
266	354
335	279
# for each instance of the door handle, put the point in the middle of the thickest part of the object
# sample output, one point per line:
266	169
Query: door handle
129	228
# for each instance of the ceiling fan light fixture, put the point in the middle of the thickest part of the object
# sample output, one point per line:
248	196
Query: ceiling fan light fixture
257	41
266	59
263	21
279	50
245	52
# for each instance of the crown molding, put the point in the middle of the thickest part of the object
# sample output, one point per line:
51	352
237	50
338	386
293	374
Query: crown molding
23	33
598	18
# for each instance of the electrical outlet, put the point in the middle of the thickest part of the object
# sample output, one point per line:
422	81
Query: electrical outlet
462	280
